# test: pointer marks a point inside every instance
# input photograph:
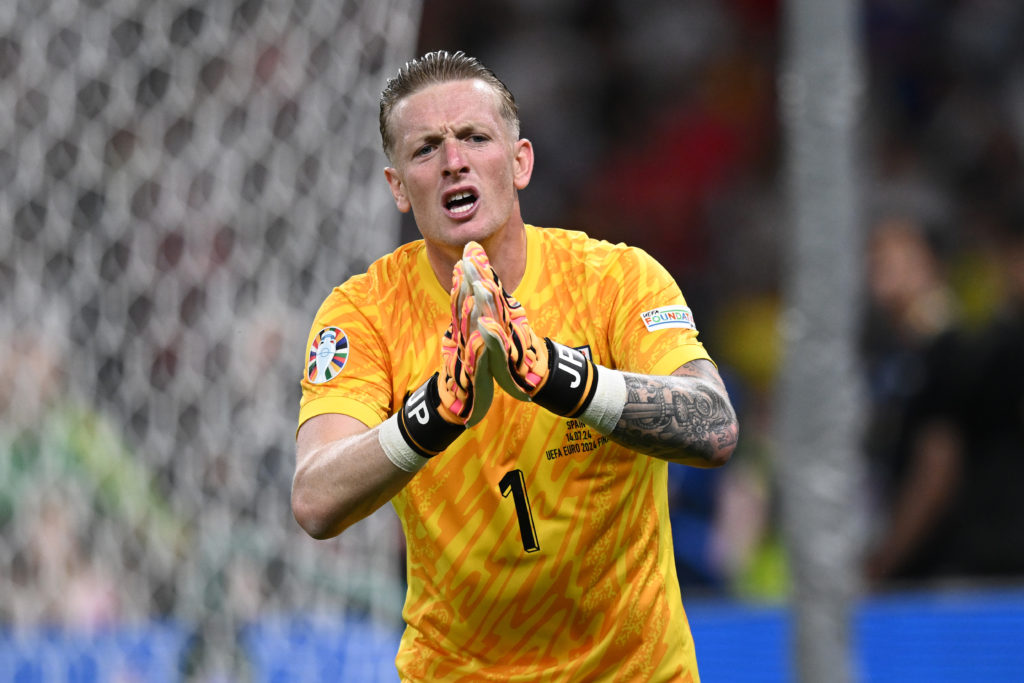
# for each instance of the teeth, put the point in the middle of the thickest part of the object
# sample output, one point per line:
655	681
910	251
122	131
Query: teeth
459	197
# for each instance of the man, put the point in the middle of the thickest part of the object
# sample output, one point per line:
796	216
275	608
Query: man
916	369
537	538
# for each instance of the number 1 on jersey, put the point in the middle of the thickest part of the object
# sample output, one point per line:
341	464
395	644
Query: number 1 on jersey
513	482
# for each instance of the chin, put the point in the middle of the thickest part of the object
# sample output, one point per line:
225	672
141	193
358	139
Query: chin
462	234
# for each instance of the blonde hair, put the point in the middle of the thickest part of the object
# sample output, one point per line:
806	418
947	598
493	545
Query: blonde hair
440	67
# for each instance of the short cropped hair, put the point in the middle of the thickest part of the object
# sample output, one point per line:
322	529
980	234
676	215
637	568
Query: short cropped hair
440	67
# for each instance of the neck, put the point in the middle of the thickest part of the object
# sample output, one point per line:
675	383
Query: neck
506	250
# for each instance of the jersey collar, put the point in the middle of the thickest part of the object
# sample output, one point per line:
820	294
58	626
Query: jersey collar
528	284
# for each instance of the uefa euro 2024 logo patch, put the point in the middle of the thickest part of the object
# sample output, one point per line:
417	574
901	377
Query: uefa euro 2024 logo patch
327	355
668	316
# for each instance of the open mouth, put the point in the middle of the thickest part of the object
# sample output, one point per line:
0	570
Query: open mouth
460	203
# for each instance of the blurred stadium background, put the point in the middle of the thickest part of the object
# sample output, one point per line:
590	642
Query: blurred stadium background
182	181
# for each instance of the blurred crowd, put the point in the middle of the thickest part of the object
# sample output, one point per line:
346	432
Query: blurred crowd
655	122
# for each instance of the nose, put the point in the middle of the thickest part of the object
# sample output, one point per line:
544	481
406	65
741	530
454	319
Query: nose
454	161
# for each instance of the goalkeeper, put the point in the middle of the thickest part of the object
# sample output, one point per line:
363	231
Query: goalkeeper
516	392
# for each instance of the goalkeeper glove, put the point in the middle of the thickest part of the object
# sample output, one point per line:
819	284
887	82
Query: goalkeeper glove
457	396
557	377
464	399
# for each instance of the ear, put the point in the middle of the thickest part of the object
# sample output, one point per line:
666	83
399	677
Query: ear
397	189
523	163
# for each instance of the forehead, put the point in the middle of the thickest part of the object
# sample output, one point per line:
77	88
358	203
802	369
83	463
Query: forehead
449	104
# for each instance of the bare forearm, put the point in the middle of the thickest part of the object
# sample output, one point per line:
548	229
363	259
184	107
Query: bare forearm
685	417
339	482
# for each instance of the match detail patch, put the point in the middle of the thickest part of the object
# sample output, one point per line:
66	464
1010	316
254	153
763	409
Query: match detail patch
668	316
327	355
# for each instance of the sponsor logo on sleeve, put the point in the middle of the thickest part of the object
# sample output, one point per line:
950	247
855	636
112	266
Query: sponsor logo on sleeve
668	316
327	355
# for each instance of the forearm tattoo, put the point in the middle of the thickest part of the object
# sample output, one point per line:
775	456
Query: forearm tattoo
678	417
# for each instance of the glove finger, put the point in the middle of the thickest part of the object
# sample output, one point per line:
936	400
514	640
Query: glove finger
476	379
475	258
465	321
465	291
487	306
461	289
483	384
454	397
483	288
497	342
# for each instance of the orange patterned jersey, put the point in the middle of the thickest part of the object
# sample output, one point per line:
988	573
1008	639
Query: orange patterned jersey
537	548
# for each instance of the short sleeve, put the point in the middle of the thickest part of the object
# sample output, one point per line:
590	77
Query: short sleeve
651	329
346	364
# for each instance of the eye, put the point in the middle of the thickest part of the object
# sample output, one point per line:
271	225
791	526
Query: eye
478	137
423	151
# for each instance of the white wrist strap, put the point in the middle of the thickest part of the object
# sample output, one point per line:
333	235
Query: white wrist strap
606	407
395	447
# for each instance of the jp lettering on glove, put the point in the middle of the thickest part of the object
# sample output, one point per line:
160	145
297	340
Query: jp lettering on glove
455	397
529	367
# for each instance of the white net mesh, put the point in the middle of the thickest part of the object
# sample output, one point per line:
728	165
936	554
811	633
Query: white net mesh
181	182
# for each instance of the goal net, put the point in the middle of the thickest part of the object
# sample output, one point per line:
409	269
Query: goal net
181	183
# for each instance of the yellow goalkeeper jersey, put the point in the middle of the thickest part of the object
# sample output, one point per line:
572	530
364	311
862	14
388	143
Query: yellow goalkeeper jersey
538	550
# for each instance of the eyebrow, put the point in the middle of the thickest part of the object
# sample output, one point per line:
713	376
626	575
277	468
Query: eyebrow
460	131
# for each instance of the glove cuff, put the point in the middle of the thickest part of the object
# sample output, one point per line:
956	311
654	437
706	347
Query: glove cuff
570	383
422	428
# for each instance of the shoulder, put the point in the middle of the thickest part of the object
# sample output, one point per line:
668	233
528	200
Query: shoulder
590	252
385	276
